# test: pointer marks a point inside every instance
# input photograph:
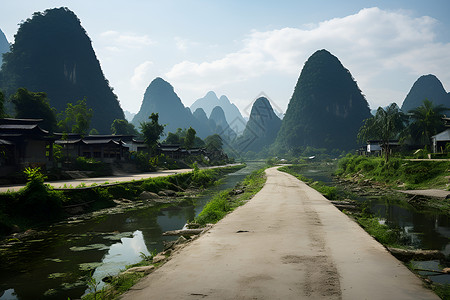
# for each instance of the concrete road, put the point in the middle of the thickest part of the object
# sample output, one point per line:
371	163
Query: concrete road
288	242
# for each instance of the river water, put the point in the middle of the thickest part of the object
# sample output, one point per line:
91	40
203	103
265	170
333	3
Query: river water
57	264
428	230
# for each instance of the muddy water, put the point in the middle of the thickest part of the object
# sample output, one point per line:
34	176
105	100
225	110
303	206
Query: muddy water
57	264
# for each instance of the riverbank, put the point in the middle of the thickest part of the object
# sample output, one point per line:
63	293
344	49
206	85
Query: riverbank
38	204
287	242
219	206
364	201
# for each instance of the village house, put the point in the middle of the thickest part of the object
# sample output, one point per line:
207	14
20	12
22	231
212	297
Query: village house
105	148
22	144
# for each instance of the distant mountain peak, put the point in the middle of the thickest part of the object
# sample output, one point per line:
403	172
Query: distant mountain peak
326	109
426	87
232	113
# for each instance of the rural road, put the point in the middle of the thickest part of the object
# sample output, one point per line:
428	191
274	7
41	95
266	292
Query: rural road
288	242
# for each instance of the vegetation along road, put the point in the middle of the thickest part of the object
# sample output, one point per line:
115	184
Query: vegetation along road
86	182
287	242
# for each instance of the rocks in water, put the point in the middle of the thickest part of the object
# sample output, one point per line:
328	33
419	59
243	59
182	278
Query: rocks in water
148	195
408	255
167	193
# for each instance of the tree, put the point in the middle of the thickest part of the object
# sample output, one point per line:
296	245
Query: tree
34	106
214	143
426	122
190	138
152	131
387	124
2	105
122	127
172	139
76	118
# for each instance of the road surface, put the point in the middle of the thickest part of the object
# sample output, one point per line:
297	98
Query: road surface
288	242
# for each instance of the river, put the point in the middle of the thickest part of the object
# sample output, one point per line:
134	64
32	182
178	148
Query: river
428	230
58	263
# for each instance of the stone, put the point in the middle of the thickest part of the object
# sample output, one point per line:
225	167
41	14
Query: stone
144	269
158	258
148	195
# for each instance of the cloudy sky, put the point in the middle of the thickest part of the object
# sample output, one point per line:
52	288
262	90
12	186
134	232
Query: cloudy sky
244	48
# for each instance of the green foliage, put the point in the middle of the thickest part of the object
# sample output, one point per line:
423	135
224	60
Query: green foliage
152	131
34	106
381	232
326	108
190	138
224	202
426	122
214	143
261	129
38	199
76	118
2	105
386	125
53	53
415	174
122	127
330	192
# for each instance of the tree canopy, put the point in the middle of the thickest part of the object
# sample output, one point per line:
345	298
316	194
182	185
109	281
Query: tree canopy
190	138
426	122
387	125
76	118
33	105
152	132
122	127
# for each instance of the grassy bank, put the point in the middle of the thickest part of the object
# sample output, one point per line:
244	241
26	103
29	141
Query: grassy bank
389	237
38	204
220	205
226	201
397	172
386	235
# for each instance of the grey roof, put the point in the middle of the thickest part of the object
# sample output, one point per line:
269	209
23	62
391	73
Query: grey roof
442	136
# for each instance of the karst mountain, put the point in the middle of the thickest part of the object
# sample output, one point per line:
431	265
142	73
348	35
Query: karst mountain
52	53
261	129
426	87
161	98
326	109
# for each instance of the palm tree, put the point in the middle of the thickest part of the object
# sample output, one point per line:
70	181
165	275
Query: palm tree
387	124
426	122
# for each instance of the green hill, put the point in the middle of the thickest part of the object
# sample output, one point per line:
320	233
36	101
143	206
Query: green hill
53	54
326	109
261	129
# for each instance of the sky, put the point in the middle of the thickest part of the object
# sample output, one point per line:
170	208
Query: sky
243	49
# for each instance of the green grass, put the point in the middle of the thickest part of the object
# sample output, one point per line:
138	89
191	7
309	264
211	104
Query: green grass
397	171
225	202
38	204
330	192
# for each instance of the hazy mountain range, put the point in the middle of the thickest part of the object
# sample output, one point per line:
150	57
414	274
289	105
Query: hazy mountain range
4	46
232	113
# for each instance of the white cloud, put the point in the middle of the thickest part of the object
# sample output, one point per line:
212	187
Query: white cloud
126	40
140	79
369	43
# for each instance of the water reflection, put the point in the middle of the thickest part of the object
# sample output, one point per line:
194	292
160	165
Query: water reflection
9	295
127	252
